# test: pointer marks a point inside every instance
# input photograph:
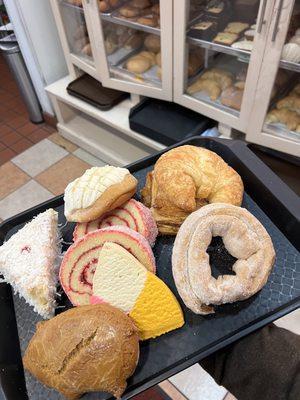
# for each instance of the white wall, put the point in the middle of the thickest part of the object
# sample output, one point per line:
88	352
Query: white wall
37	35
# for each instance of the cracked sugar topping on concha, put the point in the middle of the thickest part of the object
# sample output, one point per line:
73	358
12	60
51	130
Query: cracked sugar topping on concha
85	190
29	261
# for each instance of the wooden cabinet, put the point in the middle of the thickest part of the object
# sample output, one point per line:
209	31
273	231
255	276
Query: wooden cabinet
220	58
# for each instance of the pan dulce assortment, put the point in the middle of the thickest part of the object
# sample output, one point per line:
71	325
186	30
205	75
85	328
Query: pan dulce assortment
109	272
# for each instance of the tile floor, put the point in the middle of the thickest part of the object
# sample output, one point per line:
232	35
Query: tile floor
17	133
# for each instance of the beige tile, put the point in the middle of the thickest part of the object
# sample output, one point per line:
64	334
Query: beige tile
62	142
195	383
26	196
290	321
89	158
60	174
11	178
171	391
39	157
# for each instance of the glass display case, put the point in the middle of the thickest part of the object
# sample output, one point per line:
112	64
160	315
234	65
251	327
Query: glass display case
135	45
73	22
276	111
235	61
230	36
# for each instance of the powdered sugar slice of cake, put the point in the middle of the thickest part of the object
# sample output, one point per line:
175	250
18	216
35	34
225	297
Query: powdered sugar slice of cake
29	262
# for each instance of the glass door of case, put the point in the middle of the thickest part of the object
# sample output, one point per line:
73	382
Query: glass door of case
218	50
134	41
278	111
75	29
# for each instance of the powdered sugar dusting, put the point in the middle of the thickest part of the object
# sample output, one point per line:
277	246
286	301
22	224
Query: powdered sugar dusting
29	261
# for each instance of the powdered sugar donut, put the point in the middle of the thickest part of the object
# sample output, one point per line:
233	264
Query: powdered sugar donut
132	214
80	261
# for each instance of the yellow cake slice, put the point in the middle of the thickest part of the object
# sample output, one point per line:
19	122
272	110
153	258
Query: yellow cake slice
122	281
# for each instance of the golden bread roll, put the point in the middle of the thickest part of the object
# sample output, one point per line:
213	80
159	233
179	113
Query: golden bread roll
291	102
290	118
183	180
97	191
138	64
158	59
209	86
232	97
141	4
223	78
152	43
149	55
129	11
85	349
103	5
150	20
195	62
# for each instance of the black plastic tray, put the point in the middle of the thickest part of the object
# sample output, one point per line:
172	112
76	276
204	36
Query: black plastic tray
266	196
167	122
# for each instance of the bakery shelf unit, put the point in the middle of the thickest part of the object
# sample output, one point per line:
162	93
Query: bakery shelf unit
276	109
127	46
105	134
241	75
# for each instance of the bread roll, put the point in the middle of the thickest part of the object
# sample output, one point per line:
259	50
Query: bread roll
149	55
232	97
141	4
129	11
138	64
148	20
87	348
152	43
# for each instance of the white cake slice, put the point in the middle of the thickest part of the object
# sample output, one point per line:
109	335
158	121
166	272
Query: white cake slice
29	262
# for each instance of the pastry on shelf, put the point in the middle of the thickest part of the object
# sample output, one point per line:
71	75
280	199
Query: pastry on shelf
142	295
291	52
236	27
296	90
140	4
215	7
223	78
152	43
29	262
85	349
225	38
209	86
244	237
77	3
204	30
80	260
134	41
232	97
240	84
183	180
148	20
128	11
141	62
97	191
290	102
196	61
87	50
287	117
249	34
132	214
246	45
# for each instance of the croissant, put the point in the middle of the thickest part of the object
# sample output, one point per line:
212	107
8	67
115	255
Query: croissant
183	180
223	78
290	118
290	102
207	85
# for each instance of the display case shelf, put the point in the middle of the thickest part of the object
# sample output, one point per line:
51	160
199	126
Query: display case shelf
290	66
220	48
115	19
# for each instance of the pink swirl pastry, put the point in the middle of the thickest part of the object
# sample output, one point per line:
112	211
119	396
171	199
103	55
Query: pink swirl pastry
132	214
80	261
